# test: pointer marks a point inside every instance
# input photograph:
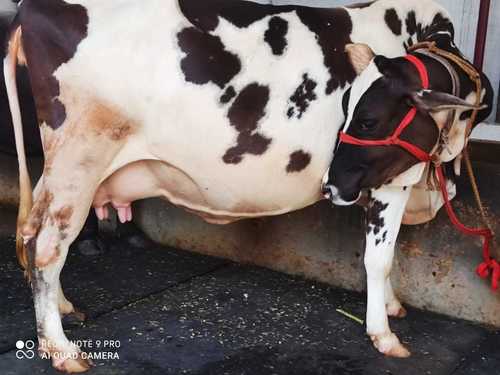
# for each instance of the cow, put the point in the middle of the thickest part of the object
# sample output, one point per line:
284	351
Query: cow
231	110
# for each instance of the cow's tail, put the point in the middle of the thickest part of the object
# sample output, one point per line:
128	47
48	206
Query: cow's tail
14	56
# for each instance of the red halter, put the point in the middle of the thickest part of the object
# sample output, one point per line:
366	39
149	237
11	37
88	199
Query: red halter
394	139
489	266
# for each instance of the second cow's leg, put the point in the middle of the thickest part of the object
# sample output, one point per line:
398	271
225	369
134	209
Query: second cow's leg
384	217
392	303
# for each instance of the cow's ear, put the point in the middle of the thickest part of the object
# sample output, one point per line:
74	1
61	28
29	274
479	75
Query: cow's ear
435	101
360	56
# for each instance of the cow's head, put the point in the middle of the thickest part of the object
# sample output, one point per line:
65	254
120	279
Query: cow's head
380	97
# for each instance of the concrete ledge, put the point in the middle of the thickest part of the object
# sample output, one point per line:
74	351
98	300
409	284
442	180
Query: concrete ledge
434	268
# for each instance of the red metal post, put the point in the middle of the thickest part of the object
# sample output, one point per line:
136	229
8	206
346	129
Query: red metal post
482	32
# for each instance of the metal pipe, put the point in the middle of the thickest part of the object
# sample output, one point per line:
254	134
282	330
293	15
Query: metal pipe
482	32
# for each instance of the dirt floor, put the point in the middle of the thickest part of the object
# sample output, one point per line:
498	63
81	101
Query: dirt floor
156	310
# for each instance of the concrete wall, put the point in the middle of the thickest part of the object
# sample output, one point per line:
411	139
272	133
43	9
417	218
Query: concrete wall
7	6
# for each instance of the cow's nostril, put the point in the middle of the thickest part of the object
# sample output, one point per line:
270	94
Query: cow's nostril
329	191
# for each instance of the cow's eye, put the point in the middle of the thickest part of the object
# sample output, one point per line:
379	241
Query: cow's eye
367	125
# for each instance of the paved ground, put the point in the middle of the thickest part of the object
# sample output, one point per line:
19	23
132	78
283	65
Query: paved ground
173	312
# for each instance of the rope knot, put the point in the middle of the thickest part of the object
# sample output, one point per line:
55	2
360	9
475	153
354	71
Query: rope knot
488	267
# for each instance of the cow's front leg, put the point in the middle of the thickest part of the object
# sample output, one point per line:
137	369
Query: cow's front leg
384	216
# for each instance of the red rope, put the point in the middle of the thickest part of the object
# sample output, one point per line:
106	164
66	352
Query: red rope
488	265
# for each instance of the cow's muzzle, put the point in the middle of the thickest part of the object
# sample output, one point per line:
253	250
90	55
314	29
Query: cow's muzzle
331	193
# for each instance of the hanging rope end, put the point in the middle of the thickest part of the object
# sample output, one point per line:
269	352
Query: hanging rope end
487	268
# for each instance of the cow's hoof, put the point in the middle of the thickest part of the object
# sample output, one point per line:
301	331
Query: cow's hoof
397	311
389	345
72	365
78	315
74	318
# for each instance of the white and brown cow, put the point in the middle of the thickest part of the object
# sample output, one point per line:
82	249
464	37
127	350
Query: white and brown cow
229	109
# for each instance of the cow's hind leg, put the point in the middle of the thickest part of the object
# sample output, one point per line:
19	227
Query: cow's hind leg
383	222
57	216
53	343
66	308
54	223
75	164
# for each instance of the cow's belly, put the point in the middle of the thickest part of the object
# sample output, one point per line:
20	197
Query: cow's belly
217	204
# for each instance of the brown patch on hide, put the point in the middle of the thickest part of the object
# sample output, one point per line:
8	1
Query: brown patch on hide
62	217
88	120
120	132
37	214
108	122
45	262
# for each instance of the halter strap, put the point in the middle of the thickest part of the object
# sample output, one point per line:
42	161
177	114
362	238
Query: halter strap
394	139
422	70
